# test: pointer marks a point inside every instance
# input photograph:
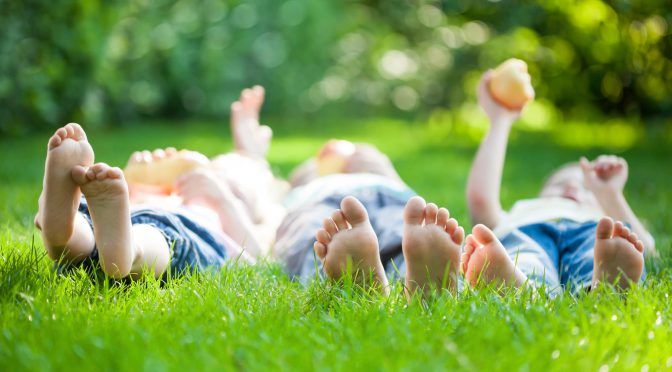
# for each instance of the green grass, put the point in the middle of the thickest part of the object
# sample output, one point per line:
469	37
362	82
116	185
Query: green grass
255	318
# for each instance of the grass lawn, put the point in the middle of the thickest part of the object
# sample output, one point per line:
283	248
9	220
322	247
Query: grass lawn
255	318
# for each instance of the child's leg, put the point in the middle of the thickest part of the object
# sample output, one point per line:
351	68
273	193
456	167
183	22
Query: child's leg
122	249
65	233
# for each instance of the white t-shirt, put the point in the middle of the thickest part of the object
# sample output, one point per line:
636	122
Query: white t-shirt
526	212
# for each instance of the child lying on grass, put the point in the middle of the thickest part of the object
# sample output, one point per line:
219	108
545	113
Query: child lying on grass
565	237
211	221
375	226
220	204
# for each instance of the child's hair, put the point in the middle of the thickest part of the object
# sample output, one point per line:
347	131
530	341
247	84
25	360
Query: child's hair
571	164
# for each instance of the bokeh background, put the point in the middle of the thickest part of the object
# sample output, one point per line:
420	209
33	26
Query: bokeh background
113	63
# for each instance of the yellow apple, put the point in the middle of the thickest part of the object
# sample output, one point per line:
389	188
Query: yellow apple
333	157
510	84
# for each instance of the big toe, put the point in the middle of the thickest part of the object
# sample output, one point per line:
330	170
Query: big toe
483	234
605	228
76	131
414	212
78	174
354	211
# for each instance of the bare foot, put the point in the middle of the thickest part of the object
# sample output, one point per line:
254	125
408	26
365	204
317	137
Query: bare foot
59	200
348	238
106	193
485	260
161	168
249	137
431	246
618	255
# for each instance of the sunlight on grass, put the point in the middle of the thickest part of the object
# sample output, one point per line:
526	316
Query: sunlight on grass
255	318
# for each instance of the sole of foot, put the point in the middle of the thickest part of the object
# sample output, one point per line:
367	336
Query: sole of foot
431	246
106	194
619	258
485	261
347	244
249	137
67	148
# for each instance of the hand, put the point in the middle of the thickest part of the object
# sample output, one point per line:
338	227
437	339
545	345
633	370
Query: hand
201	186
607	173
496	112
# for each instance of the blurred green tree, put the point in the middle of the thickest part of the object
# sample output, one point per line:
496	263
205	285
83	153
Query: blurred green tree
102	62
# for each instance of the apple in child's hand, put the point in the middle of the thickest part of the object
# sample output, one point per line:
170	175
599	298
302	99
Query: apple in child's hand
510	84
333	157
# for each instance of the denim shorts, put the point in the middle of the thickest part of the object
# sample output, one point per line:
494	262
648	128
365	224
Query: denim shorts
556	254
296	234
193	247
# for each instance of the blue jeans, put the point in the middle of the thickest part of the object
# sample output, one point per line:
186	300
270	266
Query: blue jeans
192	246
296	234
555	254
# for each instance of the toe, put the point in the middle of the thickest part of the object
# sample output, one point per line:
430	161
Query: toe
431	212
135	157
62	132
339	219
483	234
618	229
78	174
320	250
604	228
54	141
354	211
323	236
442	217
451	225
464	261
458	236
115	173
78	131
640	246
158	154
414	212
69	130
146	156
470	244
626	232
99	170
329	225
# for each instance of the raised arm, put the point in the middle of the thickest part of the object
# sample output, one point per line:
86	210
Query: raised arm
606	177
485	177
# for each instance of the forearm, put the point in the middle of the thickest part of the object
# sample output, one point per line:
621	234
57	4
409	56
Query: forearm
485	176
237	225
616	206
